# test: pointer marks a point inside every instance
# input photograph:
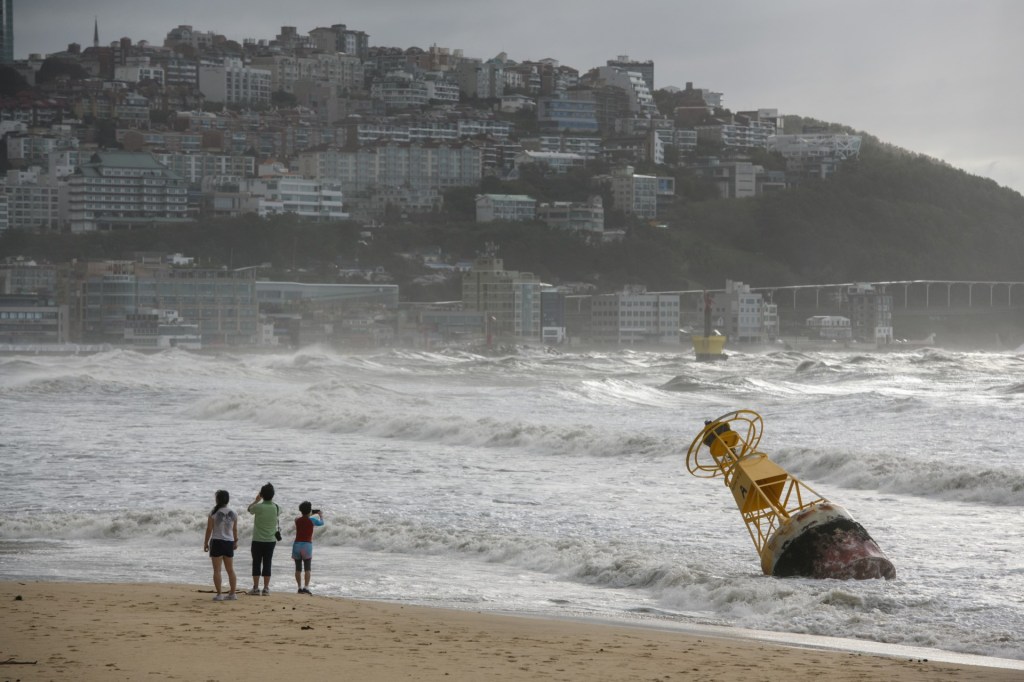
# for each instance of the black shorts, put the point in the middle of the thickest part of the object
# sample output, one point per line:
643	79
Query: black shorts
225	548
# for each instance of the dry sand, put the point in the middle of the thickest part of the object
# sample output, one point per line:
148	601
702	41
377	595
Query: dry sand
85	631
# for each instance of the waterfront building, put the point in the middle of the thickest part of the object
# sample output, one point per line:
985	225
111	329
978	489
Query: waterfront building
510	300
160	330
870	311
634	316
32	319
741	314
831	327
102	294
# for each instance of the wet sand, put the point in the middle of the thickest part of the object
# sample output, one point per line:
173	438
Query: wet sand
87	631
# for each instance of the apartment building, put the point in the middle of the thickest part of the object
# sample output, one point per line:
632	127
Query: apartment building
749	135
743	315
288	71
196	166
586	217
232	82
34	200
636	194
510	300
31	319
427	166
870	311
311	199
121	190
507	207
634	316
572	111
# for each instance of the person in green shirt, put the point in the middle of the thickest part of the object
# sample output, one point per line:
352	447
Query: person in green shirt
265	535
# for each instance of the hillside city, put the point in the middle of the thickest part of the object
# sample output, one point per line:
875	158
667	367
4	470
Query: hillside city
322	127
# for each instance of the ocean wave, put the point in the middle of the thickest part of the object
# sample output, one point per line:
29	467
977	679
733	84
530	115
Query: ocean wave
173	524
324	411
952	481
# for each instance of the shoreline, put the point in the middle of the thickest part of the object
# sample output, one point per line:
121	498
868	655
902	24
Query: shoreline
120	631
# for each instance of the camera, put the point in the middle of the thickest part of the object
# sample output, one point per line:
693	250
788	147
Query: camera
315	511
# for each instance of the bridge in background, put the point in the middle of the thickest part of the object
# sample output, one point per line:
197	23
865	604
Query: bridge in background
910	295
950	308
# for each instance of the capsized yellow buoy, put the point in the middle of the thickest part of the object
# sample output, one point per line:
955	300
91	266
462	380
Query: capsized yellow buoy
796	531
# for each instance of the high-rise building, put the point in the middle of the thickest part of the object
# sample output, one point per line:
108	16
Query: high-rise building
510	300
6	31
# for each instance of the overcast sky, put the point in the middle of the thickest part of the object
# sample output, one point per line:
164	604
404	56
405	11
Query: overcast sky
939	77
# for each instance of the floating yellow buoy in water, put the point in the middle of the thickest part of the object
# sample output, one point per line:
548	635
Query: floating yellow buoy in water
796	531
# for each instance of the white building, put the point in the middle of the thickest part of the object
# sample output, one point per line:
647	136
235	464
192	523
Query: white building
635	316
585	216
635	194
743	315
34	200
196	166
232	82
312	199
414	166
287	71
556	162
509	207
830	327
510	300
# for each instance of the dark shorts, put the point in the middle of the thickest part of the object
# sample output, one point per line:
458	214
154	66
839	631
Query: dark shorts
225	548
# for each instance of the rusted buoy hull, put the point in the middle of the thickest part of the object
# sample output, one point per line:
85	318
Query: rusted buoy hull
824	541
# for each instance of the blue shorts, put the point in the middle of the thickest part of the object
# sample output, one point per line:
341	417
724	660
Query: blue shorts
302	553
225	548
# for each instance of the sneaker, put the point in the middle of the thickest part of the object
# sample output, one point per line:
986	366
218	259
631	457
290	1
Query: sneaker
254	591
266	592
231	597
304	590
220	597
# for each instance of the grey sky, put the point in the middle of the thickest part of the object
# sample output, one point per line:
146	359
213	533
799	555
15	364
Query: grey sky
939	77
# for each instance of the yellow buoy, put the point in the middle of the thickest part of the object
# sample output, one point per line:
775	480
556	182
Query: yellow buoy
796	531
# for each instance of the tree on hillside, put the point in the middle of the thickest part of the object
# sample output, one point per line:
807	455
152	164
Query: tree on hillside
12	82
54	68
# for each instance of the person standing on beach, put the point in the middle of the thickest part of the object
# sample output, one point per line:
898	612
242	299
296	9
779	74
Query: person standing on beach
221	541
265	534
302	548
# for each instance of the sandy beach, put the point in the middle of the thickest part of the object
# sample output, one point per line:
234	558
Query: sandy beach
87	631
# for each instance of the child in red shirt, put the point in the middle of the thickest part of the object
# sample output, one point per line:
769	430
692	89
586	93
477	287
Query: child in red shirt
302	548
